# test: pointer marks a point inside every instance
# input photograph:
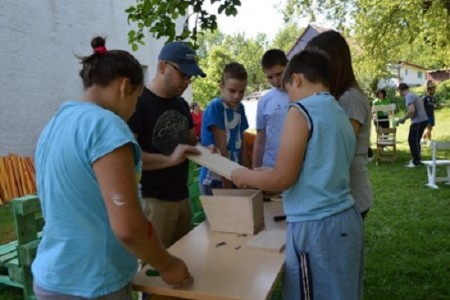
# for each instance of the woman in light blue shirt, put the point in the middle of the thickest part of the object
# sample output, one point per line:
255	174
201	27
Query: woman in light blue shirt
87	168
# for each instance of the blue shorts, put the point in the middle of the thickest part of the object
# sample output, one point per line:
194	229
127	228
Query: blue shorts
324	258
430	121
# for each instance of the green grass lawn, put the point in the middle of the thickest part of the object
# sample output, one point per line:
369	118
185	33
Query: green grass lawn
407	232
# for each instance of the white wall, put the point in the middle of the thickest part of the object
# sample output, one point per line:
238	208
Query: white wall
409	75
250	111
38	67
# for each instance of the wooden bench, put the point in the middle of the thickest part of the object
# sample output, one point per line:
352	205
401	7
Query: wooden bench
17	256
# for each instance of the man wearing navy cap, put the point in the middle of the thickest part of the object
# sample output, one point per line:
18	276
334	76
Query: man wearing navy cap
164	129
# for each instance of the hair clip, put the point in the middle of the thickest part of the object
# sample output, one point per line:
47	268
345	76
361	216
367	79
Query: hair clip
100	50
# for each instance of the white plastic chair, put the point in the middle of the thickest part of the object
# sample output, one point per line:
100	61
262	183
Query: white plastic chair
436	162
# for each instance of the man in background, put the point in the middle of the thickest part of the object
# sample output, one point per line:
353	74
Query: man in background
416	111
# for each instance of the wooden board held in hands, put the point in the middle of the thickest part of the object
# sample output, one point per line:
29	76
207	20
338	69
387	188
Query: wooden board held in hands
214	161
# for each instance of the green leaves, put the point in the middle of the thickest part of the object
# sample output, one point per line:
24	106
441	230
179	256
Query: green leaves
159	17
417	31
216	50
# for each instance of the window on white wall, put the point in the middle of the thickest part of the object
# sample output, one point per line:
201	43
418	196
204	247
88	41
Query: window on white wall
419	74
406	72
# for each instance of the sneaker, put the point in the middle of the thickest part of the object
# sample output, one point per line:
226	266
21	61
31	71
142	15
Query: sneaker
412	165
423	142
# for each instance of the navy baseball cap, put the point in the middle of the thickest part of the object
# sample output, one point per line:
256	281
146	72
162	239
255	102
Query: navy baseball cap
183	56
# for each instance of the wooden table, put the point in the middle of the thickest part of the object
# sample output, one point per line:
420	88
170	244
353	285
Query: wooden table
230	271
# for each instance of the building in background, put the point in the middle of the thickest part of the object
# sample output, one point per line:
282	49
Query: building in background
250	103
39	42
310	31
406	72
402	71
438	75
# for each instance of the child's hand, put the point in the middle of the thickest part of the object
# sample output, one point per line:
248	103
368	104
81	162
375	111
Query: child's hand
238	176
261	169
214	149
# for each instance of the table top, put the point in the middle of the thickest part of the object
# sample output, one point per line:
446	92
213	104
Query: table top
229	271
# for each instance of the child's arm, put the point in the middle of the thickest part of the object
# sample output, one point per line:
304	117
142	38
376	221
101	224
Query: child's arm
220	138
244	155
258	148
289	160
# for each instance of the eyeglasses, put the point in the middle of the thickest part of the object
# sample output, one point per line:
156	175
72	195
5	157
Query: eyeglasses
182	74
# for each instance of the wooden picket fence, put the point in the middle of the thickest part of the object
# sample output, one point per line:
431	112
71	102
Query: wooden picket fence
17	177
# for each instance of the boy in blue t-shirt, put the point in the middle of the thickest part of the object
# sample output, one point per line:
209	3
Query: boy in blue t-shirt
224	122
324	242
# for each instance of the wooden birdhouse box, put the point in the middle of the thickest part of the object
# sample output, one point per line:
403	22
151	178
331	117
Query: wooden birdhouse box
234	210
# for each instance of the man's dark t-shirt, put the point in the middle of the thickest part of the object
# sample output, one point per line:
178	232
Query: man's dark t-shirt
160	125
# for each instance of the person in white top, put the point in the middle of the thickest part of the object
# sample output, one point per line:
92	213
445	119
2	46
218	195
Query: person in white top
271	111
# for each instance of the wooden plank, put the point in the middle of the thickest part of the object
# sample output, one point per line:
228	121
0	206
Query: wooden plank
5	258
229	271
27	252
269	240
214	161
26	205
16	174
10	177
15	271
6	280
6	248
234	192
